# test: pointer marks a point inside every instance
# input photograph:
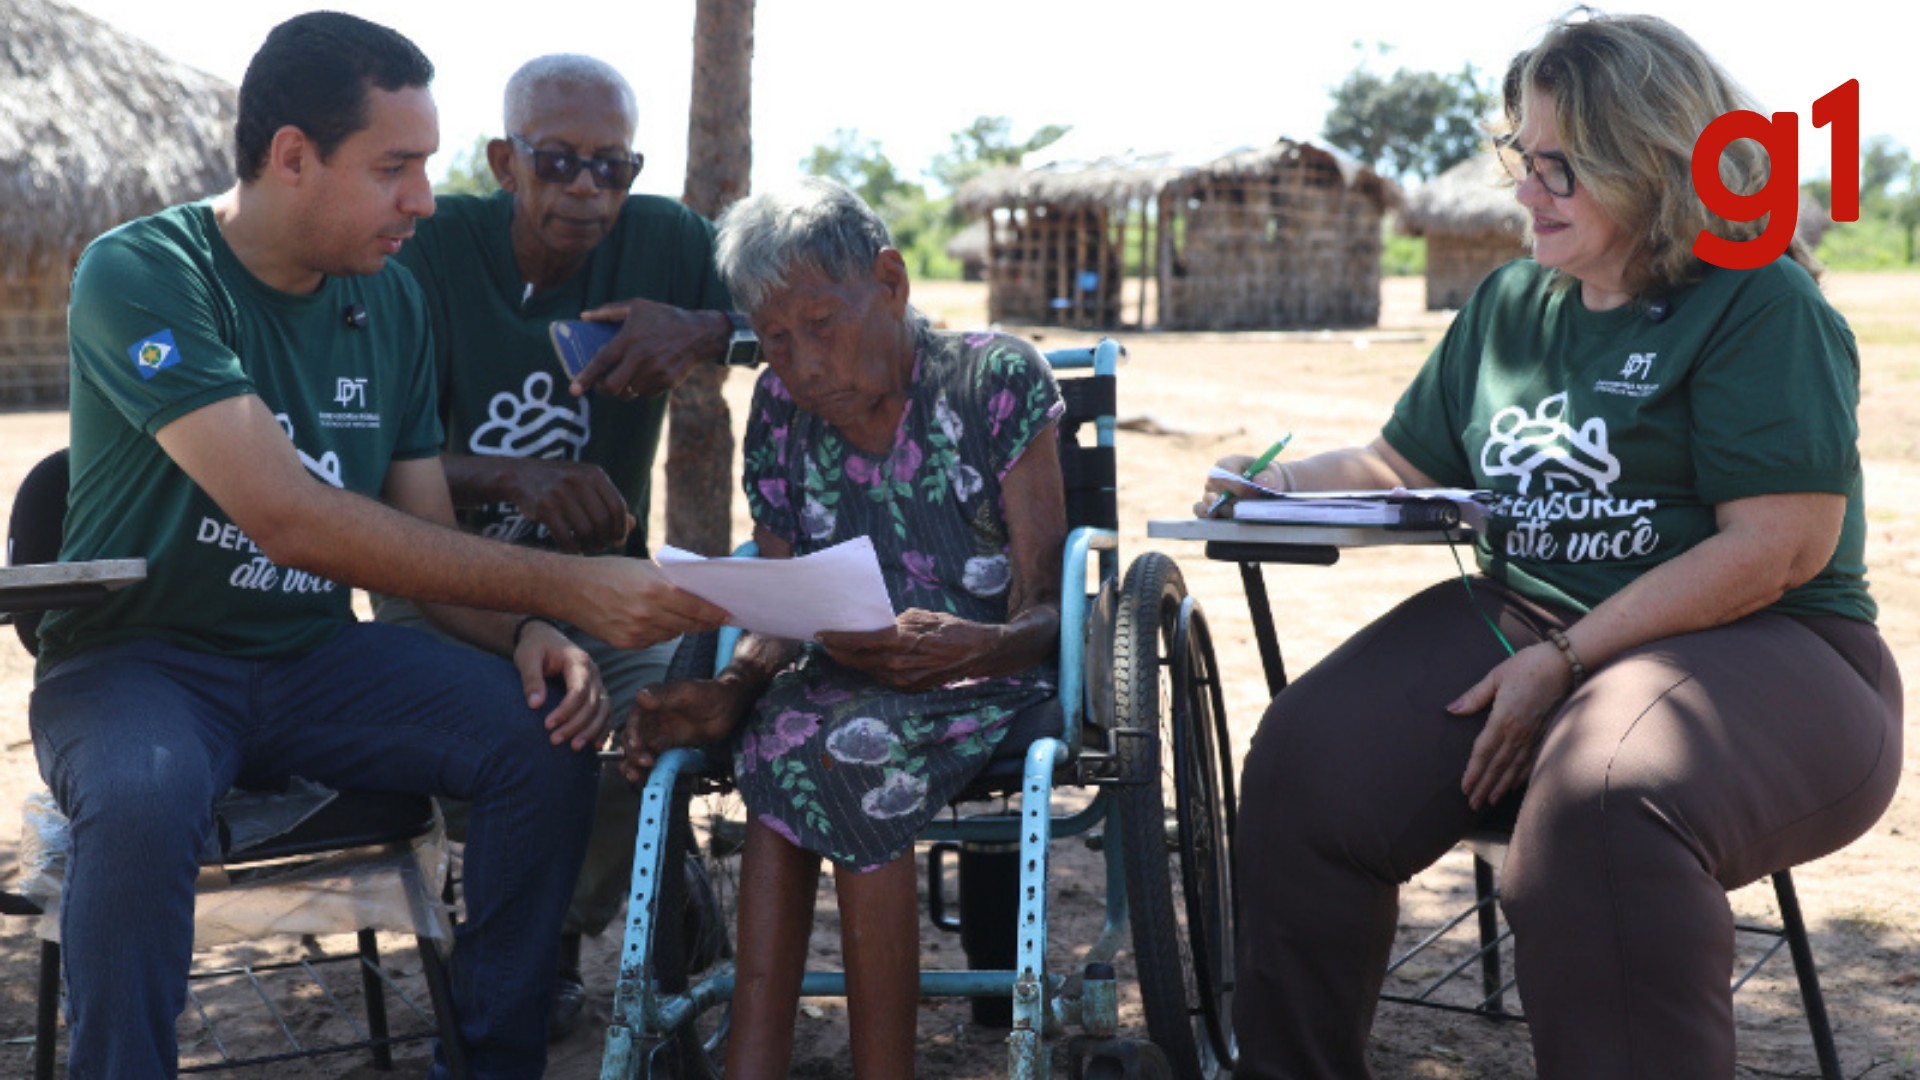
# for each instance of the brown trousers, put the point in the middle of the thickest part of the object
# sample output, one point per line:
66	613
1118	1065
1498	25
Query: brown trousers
1679	770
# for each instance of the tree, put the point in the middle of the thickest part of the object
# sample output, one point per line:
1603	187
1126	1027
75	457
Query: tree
468	173
1410	123
719	164
859	164
985	143
1883	164
1890	189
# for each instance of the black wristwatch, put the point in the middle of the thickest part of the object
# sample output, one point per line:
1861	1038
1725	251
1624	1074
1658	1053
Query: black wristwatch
743	348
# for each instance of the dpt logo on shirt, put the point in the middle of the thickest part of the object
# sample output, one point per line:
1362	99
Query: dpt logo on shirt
152	355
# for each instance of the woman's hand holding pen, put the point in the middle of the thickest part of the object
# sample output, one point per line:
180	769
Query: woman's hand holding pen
1256	473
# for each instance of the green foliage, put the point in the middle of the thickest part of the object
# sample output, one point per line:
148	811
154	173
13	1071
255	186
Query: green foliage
469	173
857	163
1887	236
985	143
1872	243
921	228
1410	123
1400	255
921	224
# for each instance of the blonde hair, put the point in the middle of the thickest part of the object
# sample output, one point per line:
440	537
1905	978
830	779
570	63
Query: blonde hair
1631	94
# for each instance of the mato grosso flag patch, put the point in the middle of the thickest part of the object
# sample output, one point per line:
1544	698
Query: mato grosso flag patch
154	353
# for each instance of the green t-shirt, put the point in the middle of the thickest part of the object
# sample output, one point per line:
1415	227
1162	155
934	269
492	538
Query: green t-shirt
503	391
166	320
1609	437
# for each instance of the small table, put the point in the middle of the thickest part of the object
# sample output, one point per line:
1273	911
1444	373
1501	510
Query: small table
42	586
1253	544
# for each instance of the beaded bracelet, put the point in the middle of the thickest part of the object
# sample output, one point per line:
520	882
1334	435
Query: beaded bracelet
521	626
1566	649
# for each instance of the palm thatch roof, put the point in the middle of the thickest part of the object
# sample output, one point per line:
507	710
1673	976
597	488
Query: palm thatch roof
97	128
1475	196
1114	182
1265	160
1071	185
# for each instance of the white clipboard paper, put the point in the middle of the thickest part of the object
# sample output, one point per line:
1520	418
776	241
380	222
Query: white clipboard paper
839	588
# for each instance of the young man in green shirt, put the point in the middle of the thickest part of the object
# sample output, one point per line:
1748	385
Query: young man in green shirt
538	459
253	414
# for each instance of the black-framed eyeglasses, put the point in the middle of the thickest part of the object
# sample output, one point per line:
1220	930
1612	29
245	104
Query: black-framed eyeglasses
1552	167
561	166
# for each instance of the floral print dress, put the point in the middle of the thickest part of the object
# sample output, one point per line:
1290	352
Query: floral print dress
830	759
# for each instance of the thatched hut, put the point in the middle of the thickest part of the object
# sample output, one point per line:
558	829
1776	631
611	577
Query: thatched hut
1472	224
969	248
1284	236
1051	229
96	128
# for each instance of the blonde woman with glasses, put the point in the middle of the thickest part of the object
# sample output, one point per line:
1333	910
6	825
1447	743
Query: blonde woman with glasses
1670	646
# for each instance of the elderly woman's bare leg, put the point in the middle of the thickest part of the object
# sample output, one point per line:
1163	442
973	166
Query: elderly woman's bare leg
777	883
880	942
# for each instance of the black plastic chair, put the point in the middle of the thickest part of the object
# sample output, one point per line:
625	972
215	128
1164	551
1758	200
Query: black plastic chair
354	820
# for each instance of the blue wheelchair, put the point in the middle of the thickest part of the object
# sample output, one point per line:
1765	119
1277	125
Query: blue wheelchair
1139	724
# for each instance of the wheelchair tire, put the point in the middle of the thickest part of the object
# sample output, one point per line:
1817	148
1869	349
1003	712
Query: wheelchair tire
1176	818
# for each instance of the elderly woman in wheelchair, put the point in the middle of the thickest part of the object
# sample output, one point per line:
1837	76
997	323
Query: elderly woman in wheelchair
940	447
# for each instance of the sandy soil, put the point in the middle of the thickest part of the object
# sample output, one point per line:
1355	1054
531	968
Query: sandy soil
1197	397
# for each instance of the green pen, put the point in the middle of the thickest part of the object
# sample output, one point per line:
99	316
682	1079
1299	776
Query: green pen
1251	471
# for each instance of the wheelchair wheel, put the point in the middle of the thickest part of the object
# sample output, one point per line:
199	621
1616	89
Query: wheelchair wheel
698	905
1176	818
697	910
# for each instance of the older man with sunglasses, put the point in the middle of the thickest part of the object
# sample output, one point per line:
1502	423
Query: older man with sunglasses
532	457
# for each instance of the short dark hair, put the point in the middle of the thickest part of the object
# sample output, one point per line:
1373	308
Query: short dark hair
313	72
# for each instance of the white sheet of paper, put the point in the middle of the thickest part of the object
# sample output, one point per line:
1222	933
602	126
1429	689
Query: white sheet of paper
839	588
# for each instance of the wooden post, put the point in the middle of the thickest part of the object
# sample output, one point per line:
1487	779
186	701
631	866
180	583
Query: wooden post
1100	313
1163	270
1146	259
1080	262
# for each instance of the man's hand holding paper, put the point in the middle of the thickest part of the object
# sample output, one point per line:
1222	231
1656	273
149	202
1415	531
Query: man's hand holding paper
839	588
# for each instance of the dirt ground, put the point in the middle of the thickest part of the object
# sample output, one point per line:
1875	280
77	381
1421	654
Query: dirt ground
1188	399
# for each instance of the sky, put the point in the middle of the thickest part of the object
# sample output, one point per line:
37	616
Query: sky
1194	77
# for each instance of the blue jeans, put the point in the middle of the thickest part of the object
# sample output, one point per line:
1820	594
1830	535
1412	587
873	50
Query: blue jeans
136	740
606	875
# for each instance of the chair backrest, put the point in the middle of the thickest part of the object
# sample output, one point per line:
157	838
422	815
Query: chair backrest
34	530
1087	457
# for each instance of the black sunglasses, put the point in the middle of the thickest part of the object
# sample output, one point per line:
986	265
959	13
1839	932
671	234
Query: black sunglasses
561	166
1553	168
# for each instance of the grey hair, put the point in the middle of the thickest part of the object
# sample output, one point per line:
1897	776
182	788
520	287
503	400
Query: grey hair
570	69
817	224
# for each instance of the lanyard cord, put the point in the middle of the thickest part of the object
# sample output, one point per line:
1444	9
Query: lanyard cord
1475	601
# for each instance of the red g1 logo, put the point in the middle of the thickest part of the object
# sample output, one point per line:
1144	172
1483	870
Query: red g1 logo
1779	200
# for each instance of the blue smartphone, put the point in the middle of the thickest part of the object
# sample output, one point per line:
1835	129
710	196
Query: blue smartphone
577	340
